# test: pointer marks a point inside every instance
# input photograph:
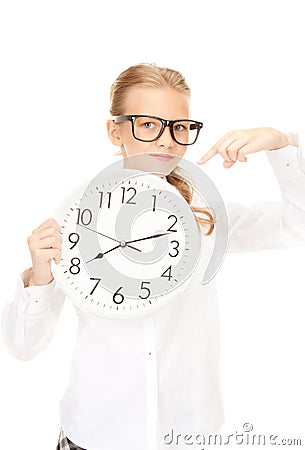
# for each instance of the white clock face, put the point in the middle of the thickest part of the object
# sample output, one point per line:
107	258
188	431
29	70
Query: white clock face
130	244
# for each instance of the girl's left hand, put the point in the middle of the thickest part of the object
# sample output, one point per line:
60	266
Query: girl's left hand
235	145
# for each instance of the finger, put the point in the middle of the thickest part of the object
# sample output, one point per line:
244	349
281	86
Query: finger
45	255
228	164
223	152
234	147
212	152
47	224
245	150
57	259
215	149
230	145
48	242
47	232
241	157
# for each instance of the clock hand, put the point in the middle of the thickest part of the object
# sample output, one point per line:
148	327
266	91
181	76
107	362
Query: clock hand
123	244
101	255
149	237
109	237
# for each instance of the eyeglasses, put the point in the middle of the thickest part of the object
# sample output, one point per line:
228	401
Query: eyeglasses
150	128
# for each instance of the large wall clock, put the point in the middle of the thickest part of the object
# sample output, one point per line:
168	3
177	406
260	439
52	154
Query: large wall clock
131	242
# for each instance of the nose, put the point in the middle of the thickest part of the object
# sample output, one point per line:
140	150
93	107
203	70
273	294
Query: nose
166	140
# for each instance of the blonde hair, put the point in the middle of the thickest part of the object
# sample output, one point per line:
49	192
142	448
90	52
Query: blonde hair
152	76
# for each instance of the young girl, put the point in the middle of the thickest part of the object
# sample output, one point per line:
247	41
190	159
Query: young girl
135	383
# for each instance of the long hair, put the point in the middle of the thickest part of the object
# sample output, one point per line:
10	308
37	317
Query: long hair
152	76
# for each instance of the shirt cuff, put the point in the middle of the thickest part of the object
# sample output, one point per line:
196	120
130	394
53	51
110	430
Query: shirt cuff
289	161
33	300
288	164
293	138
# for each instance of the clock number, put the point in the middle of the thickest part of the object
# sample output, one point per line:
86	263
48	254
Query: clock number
169	275
96	284
129	200
118	298
154	202
146	289
84	217
73	238
175	248
101	198
175	221
75	269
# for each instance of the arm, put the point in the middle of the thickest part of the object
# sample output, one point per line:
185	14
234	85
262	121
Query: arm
270	225
28	323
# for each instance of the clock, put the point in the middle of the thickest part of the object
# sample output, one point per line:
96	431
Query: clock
131	242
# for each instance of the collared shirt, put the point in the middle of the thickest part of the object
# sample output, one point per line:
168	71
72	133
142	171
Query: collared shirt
135	383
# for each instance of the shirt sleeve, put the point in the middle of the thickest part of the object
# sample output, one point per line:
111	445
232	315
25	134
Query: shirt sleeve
29	321
271	225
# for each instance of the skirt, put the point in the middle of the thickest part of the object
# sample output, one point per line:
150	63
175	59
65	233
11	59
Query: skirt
65	444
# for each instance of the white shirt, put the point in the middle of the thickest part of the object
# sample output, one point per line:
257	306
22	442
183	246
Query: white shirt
135	381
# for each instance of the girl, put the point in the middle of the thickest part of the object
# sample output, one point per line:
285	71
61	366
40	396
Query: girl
136	382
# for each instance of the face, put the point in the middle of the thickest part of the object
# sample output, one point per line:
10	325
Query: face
166	103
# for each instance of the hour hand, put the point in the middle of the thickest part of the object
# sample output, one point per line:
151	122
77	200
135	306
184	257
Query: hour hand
98	256
101	255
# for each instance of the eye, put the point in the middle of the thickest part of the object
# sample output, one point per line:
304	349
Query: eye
180	127
149	125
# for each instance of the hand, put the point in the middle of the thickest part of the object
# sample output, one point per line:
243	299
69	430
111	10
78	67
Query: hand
235	145
44	245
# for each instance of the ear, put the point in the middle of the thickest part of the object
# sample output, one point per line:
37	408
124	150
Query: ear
114	133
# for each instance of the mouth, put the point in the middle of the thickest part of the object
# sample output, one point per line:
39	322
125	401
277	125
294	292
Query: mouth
162	156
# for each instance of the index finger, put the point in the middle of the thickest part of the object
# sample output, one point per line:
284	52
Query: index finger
49	223
212	152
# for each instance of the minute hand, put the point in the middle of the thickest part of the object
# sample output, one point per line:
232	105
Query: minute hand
148	237
105	235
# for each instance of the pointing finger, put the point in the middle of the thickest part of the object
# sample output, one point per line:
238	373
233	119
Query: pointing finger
212	152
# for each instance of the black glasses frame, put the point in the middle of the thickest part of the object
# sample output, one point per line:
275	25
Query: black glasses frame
165	123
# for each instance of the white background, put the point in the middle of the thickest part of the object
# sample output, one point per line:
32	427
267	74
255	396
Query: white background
244	63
